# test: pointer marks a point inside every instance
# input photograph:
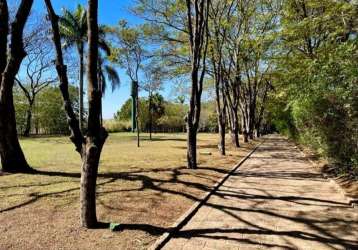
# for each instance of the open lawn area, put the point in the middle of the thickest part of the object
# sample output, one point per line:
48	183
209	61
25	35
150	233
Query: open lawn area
146	189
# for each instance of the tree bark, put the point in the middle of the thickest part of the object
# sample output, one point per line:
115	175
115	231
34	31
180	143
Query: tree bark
76	135
90	147
80	91
12	156
96	134
235	129
220	108
4	31
245	132
197	24
191	143
28	119
137	120
150	115
222	132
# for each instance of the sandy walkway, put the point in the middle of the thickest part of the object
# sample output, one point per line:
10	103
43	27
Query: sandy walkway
276	200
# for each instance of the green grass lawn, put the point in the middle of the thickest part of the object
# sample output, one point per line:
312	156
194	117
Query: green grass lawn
147	187
120	152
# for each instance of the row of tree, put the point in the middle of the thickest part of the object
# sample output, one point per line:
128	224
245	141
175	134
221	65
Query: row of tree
223	45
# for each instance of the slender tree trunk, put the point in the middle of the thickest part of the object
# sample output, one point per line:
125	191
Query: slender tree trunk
80	91
221	112
191	143
197	24
28	119
235	129
90	163
192	123
252	118
150	116
12	156
96	134
137	120
245	129
222	132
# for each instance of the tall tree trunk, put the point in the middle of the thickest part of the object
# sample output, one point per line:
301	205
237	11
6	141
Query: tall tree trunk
76	135
137	120
197	24
235	129
96	134
193	117
91	146
90	162
28	119
220	108
245	132
80	91
12	156
191	144
252	116
222	132
150	116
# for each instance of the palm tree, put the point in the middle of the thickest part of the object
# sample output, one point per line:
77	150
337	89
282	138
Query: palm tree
73	29
106	71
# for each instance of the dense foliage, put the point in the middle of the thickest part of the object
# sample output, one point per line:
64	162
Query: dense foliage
316	97
49	116
168	116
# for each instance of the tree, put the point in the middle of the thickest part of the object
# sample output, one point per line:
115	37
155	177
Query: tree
252	42
73	28
197	26
12	157
106	72
154	77
218	29
49	117
315	92
96	135
38	67
89	146
129	54
156	110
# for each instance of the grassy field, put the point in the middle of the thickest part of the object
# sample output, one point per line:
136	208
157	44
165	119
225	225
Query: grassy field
146	189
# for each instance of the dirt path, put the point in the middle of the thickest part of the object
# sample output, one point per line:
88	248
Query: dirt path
276	200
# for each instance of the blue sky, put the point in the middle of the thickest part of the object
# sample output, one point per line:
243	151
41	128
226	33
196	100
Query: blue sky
109	13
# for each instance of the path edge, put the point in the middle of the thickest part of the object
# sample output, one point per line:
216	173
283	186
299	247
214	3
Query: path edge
351	201
185	218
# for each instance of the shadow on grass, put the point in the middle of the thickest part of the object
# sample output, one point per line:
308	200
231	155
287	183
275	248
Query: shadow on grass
163	139
150	229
